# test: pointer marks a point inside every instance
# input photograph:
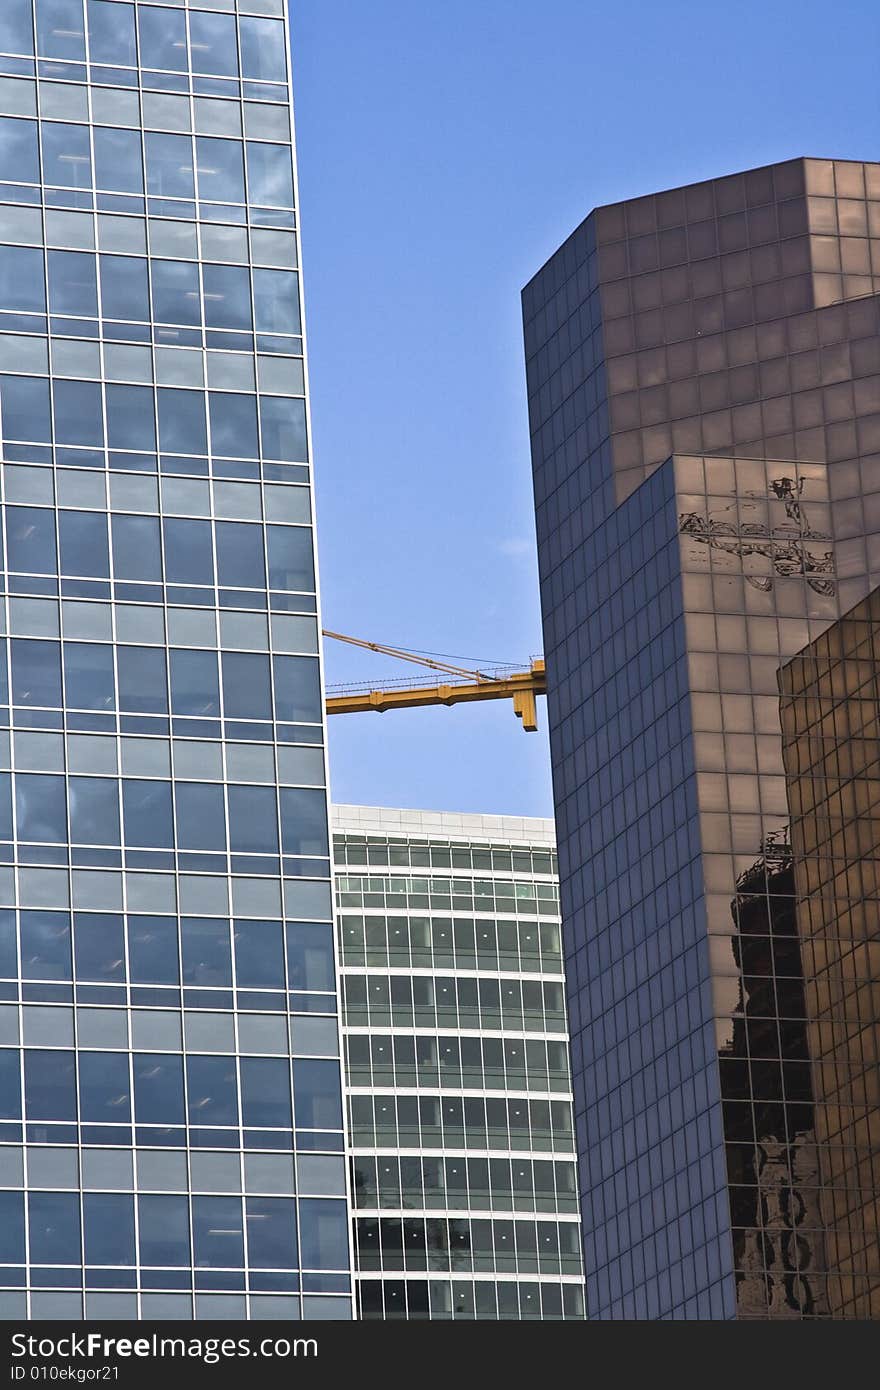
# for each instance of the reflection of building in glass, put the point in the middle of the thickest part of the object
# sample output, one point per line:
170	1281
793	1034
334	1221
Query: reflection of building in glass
702	373
171	1119
831	743
459	1088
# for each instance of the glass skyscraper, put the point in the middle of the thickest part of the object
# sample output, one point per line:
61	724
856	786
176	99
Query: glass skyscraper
171	1124
457	1069
704	390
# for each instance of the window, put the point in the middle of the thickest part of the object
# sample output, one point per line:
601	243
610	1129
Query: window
265	1092
11	1203
276	301
16	27
131	417
220	168
49	1084
169	164
108	1218
163	1230
201	816
119	165
158	1088
218	1237
270	175
53	1226
67	156
240	555
10	1083
283	421
19	156
162	34
213	44
78	413
45	945
259	955
21	278
263	50
8	954
195	688
24	409
253	820
94	812
146	810
233	424
317	1096
291	559
176	292
153	950
104	1087
212	1090
88	675
142	680
73	287
41	808
189	551
36	673
297	689
303	821
205	949
83	542
182	422
99	946
137	552
246	686
227	296
30	540
111	33
323	1234
271	1232
124	288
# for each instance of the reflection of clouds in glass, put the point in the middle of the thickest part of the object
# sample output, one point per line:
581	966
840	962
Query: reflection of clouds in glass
270	175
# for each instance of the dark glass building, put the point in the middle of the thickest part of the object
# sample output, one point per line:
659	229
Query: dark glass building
171	1119
704	391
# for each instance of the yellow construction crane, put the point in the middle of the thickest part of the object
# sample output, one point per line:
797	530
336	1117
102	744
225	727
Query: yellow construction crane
501	683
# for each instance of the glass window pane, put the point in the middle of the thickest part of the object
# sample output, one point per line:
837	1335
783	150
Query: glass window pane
89	680
67	157
169	165
137	551
205	951
263	49
153	950
111	33
119	164
45	945
162	34
124	288
195	687
189	551
21	279
83	543
146	808
131	419
60	30
212	43
36	673
78	413
158	1088
73	283
276	301
176	297
142	680
182	428
19	156
221	170
16	27
270	175
24	409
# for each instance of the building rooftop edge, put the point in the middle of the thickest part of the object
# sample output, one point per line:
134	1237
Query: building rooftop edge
449	825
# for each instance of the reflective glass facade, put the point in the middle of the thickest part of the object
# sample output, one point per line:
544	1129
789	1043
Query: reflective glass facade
831	745
170	1102
703	383
457	1068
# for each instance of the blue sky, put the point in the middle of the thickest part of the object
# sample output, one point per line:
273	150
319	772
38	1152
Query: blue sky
445	150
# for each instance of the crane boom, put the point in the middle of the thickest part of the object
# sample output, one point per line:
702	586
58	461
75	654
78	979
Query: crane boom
522	687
